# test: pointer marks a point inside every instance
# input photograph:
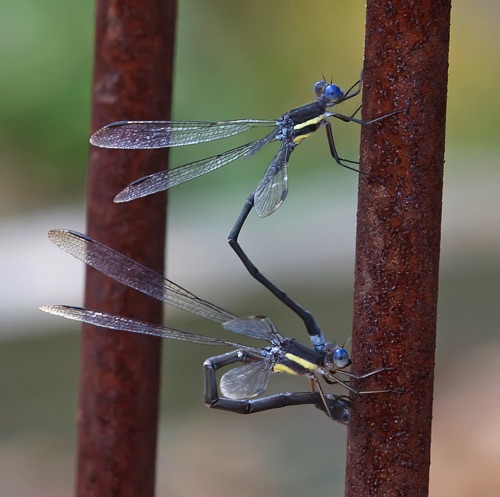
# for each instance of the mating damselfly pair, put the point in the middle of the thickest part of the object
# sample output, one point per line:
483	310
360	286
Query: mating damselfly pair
239	385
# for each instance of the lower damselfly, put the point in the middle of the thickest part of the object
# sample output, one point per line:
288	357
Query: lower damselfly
240	384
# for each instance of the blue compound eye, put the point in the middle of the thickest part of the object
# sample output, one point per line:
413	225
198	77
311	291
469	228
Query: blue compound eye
341	358
333	92
319	88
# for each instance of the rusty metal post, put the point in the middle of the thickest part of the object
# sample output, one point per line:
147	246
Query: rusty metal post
397	246
119	386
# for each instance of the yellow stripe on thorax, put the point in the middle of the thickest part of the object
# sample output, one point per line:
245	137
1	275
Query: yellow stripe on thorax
288	369
299	360
281	368
314	120
299	138
310	122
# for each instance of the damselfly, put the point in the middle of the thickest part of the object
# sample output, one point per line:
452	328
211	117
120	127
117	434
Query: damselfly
239	384
290	129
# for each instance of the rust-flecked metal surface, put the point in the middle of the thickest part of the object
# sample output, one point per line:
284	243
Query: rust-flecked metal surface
118	406
397	254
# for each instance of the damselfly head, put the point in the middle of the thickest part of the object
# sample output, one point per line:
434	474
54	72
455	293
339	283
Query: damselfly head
328	94
336	357
333	93
319	88
341	358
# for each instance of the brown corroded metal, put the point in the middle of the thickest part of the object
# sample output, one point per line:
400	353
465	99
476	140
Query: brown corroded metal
118	405
397	246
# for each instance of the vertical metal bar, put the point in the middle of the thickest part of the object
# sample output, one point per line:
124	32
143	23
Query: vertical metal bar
397	246
118	405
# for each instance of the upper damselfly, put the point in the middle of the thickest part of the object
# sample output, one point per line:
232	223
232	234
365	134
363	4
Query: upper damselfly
290	129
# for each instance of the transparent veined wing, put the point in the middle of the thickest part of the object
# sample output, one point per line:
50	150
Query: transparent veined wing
119	323
135	275
259	327
171	177
273	187
246	381
259	144
163	134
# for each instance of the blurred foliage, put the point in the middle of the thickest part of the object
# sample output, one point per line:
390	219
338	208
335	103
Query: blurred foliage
46	51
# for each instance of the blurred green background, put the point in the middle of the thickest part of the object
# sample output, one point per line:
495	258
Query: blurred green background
234	60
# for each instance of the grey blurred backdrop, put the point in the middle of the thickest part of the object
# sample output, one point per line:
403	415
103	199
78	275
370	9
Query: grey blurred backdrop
235	60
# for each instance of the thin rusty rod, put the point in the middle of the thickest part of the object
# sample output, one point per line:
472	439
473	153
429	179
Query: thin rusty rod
119	385
397	246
